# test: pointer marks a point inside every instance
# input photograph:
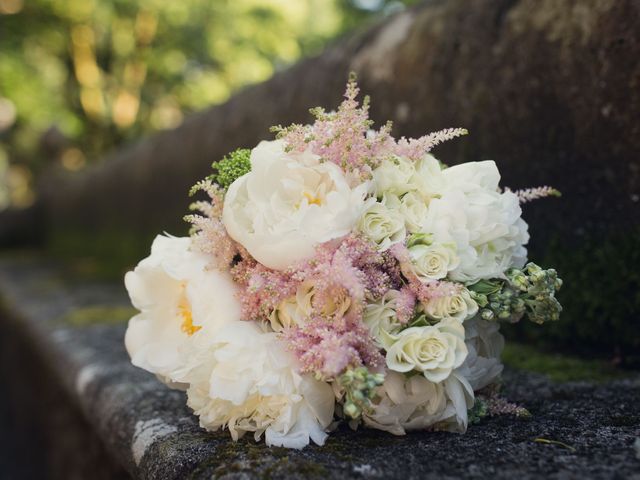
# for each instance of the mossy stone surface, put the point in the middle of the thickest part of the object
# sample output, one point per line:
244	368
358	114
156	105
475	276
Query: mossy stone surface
577	429
560	367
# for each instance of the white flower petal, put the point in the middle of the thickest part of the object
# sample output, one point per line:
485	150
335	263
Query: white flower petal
288	204
182	303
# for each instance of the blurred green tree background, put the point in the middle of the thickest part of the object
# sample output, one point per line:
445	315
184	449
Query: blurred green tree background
80	77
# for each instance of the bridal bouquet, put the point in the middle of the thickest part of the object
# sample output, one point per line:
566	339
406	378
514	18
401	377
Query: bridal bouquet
338	274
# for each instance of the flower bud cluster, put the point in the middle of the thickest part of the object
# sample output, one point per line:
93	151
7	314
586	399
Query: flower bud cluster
360	388
529	291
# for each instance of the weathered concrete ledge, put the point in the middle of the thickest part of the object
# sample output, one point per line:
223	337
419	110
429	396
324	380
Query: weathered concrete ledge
77	329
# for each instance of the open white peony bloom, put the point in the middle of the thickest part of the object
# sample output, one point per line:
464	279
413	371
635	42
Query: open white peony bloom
415	403
181	303
253	386
434	350
484	224
482	366
288	204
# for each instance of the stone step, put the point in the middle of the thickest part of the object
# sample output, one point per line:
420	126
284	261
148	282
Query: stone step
71	331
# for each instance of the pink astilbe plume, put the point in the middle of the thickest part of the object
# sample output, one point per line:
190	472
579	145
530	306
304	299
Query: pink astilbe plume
347	267
500	406
331	339
262	289
423	291
327	347
343	137
346	271
352	263
208	232
405	304
333	271
415	148
530	194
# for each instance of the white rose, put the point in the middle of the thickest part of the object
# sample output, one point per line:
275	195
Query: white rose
404	404
383	223
297	309
254	387
413	207
433	350
288	204
293	311
337	305
381	317
485	225
393	176
482	366
458	307
428	178
182	304
433	262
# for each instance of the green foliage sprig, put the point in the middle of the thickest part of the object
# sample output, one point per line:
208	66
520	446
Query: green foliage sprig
478	411
231	167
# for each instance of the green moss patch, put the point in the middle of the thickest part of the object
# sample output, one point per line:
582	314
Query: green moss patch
559	368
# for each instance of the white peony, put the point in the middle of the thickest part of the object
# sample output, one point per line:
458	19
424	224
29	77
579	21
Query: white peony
435	350
381	317
415	403
383	223
433	262
459	306
182	304
254	386
484	224
482	366
288	204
